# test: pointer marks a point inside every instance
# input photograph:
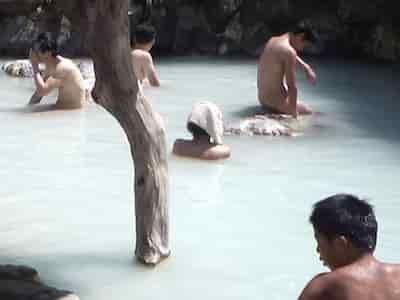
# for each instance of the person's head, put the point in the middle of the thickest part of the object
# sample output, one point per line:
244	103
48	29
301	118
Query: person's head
300	34
205	121
197	132
345	228
45	46
144	37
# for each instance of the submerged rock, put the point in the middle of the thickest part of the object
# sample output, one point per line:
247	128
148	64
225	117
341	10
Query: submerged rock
269	125
23	283
18	68
23	68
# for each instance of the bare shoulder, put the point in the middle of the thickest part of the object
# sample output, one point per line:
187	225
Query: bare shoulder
327	286
393	270
203	151
178	145
140	54
288	53
66	66
217	152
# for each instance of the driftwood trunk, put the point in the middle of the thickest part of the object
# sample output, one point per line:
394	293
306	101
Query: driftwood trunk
106	27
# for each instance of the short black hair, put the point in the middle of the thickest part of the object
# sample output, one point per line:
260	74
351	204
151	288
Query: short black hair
306	29
196	130
349	216
46	43
144	33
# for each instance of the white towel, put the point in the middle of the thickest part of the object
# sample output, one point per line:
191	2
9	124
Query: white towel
208	116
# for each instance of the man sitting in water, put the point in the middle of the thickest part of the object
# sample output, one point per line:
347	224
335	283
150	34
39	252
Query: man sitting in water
276	79
142	61
345	229
60	73
206	126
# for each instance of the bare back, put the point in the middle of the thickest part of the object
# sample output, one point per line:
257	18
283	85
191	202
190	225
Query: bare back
196	149
143	67
369	280
272	90
72	92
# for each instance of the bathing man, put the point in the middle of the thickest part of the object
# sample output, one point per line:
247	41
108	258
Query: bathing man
276	79
60	73
206	125
141	43
345	229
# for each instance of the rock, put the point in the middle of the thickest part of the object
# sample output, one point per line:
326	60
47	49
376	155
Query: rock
269	125
23	68
18	68
231	38
225	27
254	39
23	283
384	44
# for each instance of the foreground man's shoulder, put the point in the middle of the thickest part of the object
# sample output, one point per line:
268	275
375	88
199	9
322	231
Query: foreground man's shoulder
323	286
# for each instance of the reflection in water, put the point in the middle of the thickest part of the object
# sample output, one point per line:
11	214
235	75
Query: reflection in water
238	227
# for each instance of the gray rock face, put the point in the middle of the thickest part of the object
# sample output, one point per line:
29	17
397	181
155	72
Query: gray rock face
23	283
224	27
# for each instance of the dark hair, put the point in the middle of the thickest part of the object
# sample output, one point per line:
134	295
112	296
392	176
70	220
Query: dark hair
306	29
46	43
144	33
349	216
196	130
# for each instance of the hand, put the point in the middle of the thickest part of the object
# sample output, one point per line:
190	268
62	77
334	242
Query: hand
311	76
34	59
294	112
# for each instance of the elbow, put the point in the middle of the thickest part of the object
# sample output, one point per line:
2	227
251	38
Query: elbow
41	92
155	83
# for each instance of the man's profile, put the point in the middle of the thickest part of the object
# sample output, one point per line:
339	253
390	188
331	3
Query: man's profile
276	79
142	42
345	229
60	73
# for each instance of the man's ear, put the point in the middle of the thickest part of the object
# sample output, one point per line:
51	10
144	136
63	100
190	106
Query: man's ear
342	242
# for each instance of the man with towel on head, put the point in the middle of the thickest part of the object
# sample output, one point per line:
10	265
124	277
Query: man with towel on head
205	123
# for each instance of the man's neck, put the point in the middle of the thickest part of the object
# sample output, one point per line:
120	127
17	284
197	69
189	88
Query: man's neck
141	47
53	61
359	258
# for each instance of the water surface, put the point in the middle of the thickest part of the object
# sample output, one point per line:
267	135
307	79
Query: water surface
239	227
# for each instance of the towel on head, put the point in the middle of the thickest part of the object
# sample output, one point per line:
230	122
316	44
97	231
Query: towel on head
208	116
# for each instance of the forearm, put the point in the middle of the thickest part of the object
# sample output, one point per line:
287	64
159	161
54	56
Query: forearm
37	77
292	100
302	63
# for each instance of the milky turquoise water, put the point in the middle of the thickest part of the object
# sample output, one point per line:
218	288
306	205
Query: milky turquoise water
239	227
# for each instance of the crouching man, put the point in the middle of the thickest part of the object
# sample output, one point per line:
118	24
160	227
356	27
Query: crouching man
60	73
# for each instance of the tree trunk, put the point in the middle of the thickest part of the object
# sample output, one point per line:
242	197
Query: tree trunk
106	27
